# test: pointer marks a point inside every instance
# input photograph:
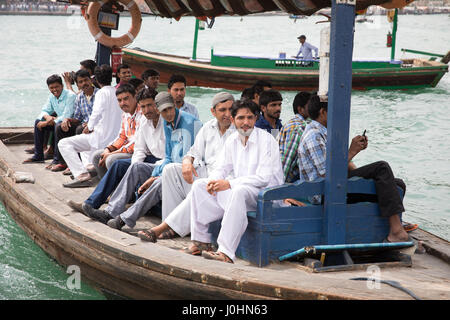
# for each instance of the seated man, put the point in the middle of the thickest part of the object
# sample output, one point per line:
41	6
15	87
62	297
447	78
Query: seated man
252	154
180	130
102	128
124	75
89	66
258	88
137	83
290	135
270	103
312	158
198	163
149	148
123	146
59	102
151	78
75	125
177	89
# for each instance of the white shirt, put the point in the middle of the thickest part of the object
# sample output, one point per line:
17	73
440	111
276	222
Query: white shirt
149	140
105	118
256	164
208	144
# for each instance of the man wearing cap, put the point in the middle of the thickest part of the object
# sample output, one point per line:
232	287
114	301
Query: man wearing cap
306	49
197	163
180	129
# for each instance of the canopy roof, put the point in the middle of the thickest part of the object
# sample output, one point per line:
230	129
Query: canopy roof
213	8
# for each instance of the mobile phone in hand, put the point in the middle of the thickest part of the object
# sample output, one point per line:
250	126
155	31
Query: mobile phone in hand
364	133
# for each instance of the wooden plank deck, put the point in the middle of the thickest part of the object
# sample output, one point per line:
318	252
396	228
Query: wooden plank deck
123	263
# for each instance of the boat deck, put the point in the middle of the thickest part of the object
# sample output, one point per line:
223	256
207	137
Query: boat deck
122	263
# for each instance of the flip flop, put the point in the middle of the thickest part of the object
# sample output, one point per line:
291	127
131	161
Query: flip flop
197	248
32	160
168	234
58	167
410	226
147	235
218	256
78	184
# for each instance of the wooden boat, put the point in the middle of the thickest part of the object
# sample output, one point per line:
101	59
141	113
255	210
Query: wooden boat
120	262
237	73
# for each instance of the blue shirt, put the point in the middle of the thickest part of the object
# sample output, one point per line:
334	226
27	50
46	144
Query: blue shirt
306	49
179	138
62	106
83	107
189	108
262	123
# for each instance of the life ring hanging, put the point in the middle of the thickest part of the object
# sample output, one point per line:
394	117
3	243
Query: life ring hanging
136	19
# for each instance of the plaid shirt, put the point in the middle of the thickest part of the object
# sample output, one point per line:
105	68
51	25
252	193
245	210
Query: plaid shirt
289	141
125	142
83	107
312	152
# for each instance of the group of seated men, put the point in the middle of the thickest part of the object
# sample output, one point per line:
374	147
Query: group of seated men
149	148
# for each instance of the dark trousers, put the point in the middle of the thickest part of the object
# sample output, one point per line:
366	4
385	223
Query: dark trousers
386	185
39	136
60	134
111	180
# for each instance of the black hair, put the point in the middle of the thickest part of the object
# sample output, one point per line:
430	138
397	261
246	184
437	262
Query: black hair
269	96
103	74
149	73
300	100
176	78
53	79
146	93
122	66
126	87
302	37
259	85
89	64
136	82
248	93
314	106
82	73
244	104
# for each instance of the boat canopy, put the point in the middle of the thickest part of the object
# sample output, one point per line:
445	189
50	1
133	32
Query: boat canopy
214	8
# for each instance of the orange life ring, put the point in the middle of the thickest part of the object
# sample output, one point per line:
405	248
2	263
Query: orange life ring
136	19
393	4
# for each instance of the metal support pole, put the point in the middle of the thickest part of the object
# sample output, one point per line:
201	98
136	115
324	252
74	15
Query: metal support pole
394	35
339	96
194	49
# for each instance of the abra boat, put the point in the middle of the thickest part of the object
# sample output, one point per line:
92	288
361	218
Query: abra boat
322	239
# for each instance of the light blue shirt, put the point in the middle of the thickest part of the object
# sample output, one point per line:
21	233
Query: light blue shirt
306	49
62	106
189	108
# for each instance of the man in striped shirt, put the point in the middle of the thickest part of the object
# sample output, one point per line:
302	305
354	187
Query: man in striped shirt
123	146
290	135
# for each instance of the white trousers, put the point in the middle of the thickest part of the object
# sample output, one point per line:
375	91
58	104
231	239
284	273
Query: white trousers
70	147
231	205
176	199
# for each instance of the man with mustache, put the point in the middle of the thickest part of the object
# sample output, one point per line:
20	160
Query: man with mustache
253	156
270	103
177	89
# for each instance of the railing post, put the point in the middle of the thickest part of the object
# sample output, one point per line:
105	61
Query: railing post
339	96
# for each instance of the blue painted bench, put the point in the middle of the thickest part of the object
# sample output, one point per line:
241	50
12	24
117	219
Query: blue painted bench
274	231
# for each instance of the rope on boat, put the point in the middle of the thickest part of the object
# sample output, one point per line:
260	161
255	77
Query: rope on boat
16	136
392	283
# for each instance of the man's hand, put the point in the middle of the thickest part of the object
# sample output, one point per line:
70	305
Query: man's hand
103	157
188	170
293	202
215	186
358	143
86	130
147	184
41	124
65	125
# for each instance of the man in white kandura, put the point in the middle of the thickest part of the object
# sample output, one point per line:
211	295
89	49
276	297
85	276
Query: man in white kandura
252	154
102	128
200	160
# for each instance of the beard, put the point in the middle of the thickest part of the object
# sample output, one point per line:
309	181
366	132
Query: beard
245	133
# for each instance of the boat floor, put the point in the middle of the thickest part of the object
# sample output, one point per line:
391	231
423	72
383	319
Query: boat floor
428	278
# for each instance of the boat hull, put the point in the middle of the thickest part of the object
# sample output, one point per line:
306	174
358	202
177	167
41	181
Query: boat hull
203	74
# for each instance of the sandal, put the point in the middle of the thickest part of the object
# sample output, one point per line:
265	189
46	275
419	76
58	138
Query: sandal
147	235
410	226
219	256
197	248
168	234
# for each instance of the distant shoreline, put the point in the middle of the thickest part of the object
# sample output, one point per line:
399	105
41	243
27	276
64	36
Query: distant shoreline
34	13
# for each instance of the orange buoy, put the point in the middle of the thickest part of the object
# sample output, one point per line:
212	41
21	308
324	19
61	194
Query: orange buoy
92	20
393	4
